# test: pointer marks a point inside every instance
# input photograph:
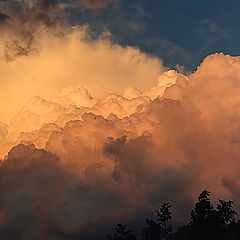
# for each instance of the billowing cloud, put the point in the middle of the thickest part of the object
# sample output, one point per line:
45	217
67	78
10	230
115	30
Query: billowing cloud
132	150
98	65
40	54
105	124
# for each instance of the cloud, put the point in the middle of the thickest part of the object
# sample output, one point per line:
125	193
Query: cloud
20	22
108	124
47	197
74	59
232	184
94	4
3	132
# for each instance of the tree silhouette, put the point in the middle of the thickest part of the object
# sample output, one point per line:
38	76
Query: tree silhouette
165	215
202	208
153	231
122	233
226	212
207	223
205	219
158	230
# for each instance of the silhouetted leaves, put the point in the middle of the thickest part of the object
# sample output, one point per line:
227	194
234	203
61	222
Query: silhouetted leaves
226	212
122	233
160	229
207	223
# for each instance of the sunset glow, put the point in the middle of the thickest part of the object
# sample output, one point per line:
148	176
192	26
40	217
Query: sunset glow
93	129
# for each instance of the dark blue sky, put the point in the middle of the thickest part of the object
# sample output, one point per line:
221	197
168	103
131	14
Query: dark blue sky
179	31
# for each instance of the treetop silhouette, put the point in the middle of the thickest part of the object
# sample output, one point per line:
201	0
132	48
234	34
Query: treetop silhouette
207	223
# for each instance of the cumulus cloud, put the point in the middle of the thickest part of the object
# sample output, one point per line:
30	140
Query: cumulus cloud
75	59
40	55
165	80
133	151
107	124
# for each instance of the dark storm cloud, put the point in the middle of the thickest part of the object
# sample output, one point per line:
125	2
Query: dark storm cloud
40	195
93	167
21	20
135	163
35	13
4	18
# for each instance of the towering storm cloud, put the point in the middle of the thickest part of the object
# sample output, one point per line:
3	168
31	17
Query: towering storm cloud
133	151
92	130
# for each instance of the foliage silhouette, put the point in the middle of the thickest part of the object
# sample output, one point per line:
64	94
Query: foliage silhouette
165	215
207	223
160	229
226	212
122	233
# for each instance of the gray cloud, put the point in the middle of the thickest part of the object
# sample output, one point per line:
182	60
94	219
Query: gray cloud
22	20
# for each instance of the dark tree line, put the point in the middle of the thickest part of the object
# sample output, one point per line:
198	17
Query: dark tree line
207	223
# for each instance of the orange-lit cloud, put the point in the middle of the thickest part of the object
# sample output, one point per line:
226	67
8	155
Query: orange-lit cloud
40	55
98	65
90	122
133	150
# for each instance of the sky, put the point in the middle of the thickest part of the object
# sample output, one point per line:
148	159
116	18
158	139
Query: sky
181	32
110	107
